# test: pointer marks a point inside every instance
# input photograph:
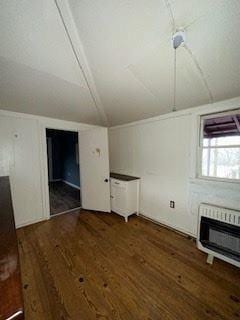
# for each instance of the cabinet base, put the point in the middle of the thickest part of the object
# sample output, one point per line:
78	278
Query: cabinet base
125	216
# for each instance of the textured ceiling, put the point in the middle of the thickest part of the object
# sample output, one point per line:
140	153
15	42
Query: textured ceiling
128	49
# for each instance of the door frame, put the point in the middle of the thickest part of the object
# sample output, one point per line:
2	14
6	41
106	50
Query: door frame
44	174
50	160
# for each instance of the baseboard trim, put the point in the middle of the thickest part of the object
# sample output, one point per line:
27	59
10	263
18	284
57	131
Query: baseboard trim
28	223
71	184
182	232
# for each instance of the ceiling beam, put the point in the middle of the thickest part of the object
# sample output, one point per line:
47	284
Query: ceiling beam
68	22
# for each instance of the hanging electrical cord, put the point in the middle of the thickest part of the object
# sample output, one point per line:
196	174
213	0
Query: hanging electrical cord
174	108
178	39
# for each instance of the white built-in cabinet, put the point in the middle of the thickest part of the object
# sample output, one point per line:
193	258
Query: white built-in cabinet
124	195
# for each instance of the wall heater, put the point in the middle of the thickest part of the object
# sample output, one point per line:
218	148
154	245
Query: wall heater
219	233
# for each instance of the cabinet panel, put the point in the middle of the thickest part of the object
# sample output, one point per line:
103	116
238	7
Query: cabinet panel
124	197
119	198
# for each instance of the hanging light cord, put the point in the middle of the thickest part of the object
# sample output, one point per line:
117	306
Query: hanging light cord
175	81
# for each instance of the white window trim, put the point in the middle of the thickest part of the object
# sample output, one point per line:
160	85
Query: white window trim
200	147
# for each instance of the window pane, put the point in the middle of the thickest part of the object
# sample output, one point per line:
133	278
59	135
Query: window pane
222	141
221	163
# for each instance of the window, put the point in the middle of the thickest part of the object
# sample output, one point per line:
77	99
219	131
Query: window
220	146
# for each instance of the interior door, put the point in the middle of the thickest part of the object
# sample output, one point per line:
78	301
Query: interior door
94	169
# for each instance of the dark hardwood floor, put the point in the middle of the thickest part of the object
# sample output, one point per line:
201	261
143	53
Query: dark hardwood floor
85	265
63	197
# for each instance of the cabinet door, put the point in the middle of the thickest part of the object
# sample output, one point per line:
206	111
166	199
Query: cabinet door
118	198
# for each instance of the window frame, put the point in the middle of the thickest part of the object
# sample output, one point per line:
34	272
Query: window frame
201	146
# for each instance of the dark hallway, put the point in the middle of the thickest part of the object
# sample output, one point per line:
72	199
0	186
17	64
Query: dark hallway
63	170
63	197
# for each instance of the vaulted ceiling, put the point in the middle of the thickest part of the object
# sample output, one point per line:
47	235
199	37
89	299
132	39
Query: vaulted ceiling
111	61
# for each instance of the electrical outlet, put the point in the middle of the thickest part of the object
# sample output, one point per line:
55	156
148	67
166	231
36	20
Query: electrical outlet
172	204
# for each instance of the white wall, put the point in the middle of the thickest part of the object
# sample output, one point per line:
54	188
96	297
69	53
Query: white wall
162	151
20	157
23	157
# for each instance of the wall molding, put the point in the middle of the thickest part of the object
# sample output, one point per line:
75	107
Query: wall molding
52	122
215	107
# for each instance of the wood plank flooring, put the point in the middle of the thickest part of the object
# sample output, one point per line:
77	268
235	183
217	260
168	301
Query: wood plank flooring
63	197
85	265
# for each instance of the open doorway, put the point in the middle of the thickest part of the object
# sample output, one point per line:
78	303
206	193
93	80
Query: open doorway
63	170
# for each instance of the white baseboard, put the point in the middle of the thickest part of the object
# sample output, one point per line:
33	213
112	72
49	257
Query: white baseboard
164	224
27	223
71	184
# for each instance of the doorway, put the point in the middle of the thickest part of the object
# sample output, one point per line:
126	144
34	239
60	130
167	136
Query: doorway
63	171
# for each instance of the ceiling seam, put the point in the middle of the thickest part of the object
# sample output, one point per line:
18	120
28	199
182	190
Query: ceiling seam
100	110
211	100
168	5
143	84
42	71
